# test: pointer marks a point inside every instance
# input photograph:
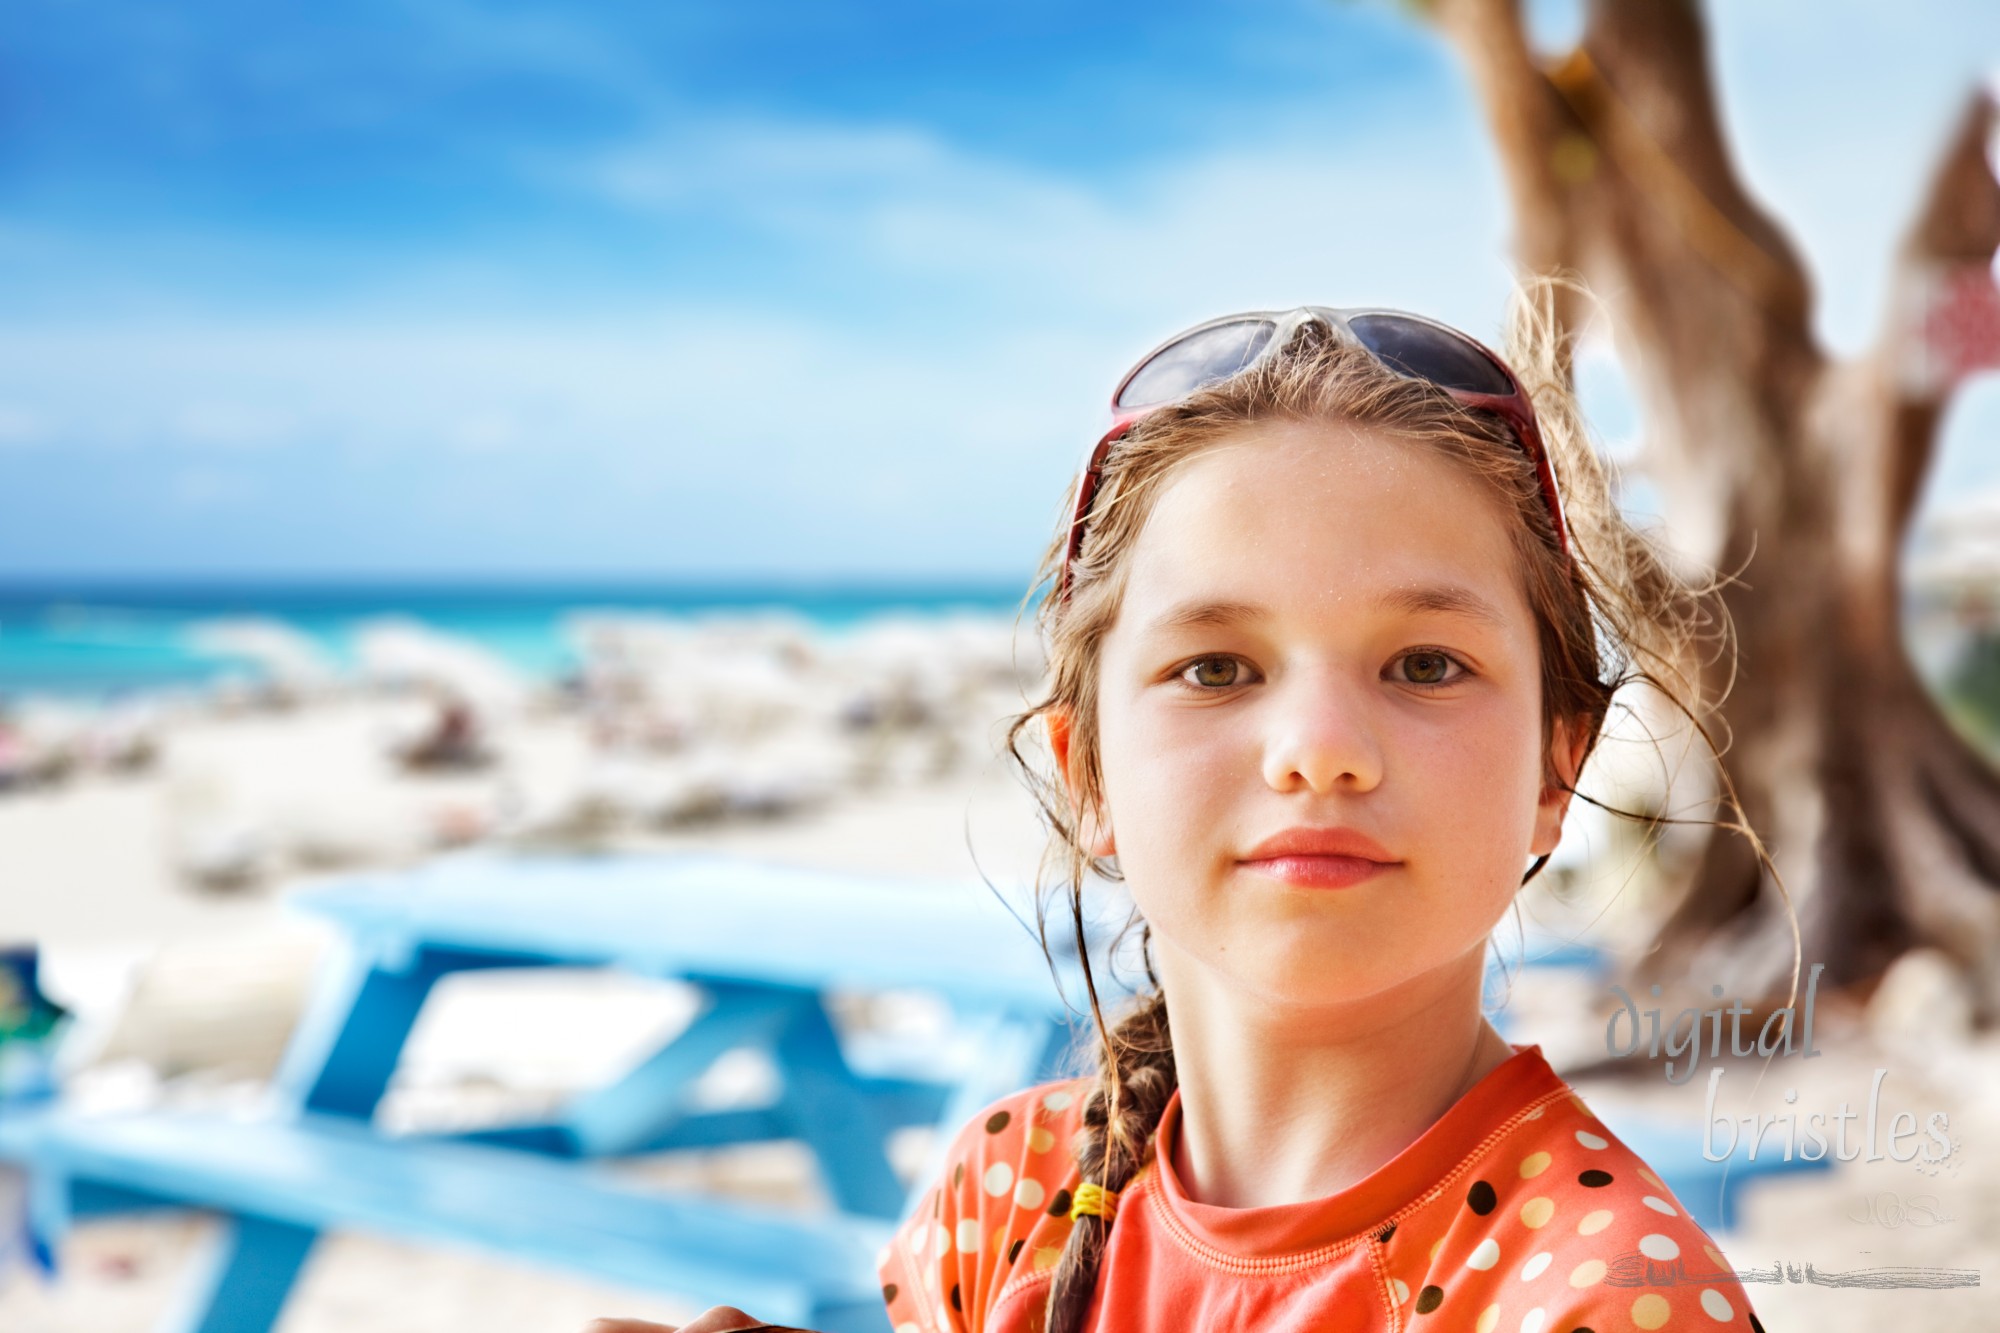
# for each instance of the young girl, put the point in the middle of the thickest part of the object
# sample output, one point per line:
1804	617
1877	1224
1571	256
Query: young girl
1328	646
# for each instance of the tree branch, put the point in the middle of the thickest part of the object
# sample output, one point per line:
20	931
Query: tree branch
1961	218
1943	273
1641	84
1527	120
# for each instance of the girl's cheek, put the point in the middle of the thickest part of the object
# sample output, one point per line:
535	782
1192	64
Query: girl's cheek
1171	778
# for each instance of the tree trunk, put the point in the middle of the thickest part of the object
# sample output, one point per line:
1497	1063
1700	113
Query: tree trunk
1792	471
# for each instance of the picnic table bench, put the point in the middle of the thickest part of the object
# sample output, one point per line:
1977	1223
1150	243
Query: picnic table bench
282	1183
765	945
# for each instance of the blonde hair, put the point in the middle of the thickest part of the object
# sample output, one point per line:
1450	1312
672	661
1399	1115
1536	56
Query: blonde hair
1615	614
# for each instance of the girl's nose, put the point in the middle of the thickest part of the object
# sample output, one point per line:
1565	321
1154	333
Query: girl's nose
1321	740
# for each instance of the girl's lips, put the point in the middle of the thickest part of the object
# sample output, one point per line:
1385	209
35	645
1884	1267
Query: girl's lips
1319	872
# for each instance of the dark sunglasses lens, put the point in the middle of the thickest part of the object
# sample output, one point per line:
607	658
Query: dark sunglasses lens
1200	358
1425	352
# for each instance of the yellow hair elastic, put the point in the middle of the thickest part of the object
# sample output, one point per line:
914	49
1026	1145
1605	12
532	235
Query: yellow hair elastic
1094	1200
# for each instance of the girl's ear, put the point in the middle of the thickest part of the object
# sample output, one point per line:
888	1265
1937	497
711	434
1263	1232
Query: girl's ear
1568	748
1094	834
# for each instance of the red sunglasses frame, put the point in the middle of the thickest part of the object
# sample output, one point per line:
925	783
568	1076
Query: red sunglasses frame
1514	408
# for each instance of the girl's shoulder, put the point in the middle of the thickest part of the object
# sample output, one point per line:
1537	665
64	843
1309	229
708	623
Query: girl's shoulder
998	1208
1554	1214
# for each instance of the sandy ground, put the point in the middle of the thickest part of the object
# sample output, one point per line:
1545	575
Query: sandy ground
200	988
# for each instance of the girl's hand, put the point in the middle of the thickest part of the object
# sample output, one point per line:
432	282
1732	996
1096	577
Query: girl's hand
716	1319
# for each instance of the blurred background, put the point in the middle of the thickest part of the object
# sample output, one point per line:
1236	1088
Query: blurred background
569	429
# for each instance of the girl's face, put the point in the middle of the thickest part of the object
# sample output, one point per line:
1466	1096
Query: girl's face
1323	629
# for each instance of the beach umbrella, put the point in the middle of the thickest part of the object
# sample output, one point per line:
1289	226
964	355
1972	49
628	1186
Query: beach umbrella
285	657
400	652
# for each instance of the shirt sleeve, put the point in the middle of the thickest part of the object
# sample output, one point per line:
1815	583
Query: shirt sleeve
930	1270
1617	1249
1000	1207
1673	1277
1561	1226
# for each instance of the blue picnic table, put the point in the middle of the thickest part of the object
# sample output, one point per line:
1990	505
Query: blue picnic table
766	945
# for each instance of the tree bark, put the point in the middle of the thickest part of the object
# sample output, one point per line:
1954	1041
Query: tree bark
1795	471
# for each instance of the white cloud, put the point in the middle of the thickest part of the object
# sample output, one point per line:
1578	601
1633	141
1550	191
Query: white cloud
210	488
1410	216
946	409
21	428
224	424
1038	293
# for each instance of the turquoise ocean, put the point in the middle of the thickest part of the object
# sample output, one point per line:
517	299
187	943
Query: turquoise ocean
103	642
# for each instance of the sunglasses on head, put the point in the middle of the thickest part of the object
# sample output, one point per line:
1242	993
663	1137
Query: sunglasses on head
1410	345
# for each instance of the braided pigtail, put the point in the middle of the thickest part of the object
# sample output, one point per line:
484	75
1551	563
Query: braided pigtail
1135	1079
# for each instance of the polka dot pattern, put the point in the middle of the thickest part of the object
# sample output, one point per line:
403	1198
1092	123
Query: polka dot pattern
1651	1311
1522	1231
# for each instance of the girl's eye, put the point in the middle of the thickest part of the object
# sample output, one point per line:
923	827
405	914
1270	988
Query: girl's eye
1427	666
1214	673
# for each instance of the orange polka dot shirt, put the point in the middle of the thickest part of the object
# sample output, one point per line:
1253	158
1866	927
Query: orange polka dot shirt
1517	1212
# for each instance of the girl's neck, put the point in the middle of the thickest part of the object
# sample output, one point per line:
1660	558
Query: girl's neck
1281	1107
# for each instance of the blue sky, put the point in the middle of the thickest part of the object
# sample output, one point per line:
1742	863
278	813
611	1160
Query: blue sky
455	290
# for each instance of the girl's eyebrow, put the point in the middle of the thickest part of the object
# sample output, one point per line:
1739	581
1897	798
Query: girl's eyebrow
1207	615
1437	598
1443	598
